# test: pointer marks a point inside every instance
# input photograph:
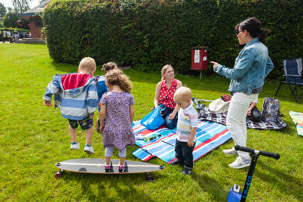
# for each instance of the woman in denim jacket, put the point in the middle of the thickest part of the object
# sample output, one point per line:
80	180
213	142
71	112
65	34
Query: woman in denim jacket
247	79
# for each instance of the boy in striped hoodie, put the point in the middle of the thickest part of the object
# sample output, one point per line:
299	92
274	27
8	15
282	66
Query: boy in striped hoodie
76	96
186	129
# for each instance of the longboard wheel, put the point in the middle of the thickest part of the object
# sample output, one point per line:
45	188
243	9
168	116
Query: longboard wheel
149	177
58	175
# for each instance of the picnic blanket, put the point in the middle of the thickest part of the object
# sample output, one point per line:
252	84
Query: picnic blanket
206	114
161	142
297	118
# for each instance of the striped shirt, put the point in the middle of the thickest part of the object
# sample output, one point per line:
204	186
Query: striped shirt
75	94
187	119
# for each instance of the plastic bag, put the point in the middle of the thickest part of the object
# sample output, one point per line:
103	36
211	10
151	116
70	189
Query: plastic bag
154	119
219	106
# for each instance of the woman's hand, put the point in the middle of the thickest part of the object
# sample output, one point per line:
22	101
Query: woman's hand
249	112
172	115
214	64
252	105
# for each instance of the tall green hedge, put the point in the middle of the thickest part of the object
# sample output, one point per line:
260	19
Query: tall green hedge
148	34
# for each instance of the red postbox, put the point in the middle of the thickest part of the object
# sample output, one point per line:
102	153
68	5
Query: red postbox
199	58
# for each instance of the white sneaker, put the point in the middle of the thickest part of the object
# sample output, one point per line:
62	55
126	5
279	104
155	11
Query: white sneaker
240	163
231	151
89	149
75	145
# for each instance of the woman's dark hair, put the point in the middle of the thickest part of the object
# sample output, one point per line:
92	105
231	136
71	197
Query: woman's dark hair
109	66
253	26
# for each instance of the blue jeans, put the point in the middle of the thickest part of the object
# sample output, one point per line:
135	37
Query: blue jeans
170	123
184	153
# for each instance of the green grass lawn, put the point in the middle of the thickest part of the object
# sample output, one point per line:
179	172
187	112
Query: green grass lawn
33	138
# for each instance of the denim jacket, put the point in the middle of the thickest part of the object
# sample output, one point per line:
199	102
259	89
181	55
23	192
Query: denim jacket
251	67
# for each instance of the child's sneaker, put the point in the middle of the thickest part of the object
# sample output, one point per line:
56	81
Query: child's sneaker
109	168
98	126
231	151
123	168
75	145
240	163
186	170
89	149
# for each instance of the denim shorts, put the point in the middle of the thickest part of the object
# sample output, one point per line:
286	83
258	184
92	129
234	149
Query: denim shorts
85	124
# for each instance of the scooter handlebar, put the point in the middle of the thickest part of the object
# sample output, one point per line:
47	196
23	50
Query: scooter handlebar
258	152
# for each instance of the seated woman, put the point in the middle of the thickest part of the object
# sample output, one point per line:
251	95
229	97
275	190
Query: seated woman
165	91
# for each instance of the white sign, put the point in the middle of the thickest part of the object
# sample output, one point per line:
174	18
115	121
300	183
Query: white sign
197	56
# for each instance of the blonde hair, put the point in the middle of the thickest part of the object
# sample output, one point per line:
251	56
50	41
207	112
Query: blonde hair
164	69
87	64
109	66
116	77
183	93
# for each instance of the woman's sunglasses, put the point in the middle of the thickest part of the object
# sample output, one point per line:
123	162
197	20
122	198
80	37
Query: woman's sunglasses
237	32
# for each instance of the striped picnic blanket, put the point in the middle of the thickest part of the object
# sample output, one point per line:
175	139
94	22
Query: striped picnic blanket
297	118
161	142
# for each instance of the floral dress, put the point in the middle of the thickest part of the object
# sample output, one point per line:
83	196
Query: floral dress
118	131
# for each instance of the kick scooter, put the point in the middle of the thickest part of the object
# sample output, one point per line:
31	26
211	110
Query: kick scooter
234	194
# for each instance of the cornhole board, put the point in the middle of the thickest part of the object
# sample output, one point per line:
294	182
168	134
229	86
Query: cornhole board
96	166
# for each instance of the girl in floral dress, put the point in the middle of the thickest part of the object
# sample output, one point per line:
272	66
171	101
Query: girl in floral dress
117	106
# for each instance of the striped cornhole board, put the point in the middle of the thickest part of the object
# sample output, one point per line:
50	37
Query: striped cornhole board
209	136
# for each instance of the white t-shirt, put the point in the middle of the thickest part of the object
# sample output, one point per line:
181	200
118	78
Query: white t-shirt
187	119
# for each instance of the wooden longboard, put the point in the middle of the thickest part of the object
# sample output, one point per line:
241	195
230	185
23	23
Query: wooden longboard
96	166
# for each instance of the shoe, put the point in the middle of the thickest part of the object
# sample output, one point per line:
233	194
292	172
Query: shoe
109	169
75	145
186	170
231	152
89	149
176	162
124	168
240	163
98	126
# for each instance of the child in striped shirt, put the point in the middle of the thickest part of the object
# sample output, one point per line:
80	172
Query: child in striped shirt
186	129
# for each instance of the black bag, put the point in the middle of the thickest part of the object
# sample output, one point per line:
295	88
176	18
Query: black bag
256	115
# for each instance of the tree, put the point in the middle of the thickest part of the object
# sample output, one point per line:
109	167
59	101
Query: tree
10	19
21	5
2	9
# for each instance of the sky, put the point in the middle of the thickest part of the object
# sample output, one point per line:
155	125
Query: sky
8	3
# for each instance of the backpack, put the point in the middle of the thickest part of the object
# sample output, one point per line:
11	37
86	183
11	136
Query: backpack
270	109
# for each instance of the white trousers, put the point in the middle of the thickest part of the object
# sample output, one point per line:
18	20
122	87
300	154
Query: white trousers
236	119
